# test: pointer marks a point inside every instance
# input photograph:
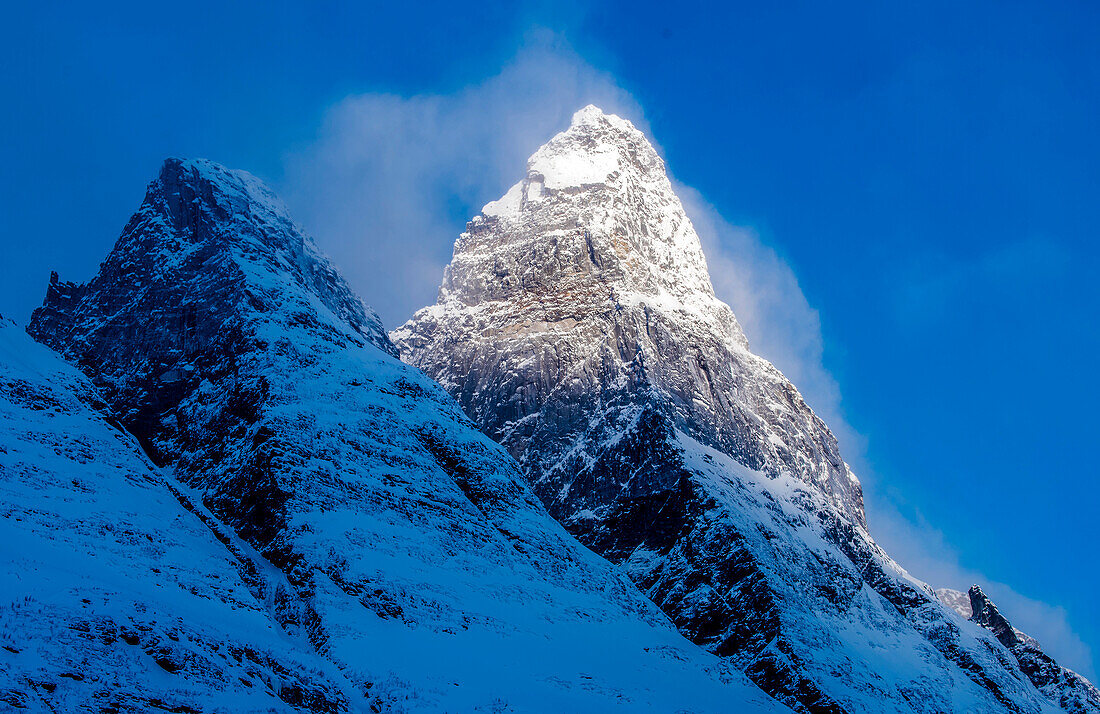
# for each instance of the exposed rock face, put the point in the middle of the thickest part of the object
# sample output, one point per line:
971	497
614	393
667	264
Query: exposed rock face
985	613
586	284
1068	689
117	593
957	601
577	325
431	575
207	250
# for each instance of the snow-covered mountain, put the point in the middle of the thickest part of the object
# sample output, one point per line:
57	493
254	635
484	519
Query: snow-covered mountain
577	326
418	562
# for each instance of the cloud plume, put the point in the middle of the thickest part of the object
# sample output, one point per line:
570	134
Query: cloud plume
391	180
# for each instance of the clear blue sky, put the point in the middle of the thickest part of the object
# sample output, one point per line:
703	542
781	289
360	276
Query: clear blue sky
931	175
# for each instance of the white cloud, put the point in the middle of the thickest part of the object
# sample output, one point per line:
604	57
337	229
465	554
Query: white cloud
390	180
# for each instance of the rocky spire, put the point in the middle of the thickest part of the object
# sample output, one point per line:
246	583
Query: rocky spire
602	178
585	278
1069	690
986	614
204	237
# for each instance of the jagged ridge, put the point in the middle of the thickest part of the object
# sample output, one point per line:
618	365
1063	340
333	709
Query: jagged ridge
1068	689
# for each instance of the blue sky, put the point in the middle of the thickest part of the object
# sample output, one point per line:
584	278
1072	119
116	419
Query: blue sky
901	203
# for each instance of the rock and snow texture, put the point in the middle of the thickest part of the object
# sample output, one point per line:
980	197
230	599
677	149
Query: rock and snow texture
583	284
1068	689
955	600
577	326
115	597
427	571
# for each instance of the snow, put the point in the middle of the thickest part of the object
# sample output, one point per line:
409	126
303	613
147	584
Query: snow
865	652
509	203
495	605
565	170
95	549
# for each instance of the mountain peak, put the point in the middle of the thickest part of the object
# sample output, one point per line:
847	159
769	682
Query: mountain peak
179	170
591	257
188	185
216	250
594	148
601	187
587	114
597	150
986	614
591	115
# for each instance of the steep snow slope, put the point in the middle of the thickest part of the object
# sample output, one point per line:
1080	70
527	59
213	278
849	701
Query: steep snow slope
433	577
577	325
113	595
1070	690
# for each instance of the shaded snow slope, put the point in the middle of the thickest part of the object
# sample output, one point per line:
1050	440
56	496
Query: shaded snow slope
113	595
577	326
432	576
